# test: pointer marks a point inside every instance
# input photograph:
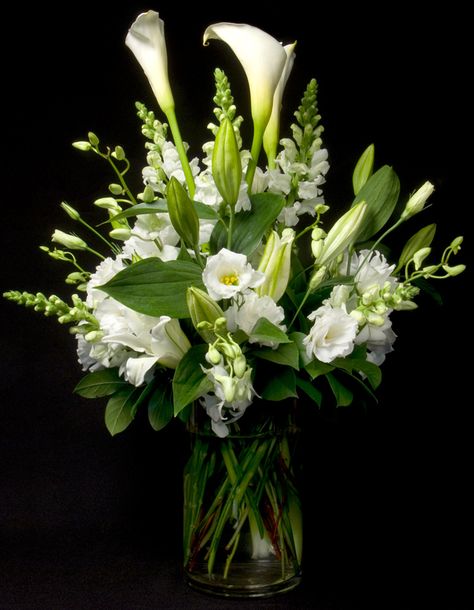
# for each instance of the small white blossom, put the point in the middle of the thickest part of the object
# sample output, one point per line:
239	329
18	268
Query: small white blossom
379	340
244	316
104	272
227	273
152	235
370	269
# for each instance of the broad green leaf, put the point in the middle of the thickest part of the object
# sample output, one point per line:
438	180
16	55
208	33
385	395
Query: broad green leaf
281	386
155	287
297	338
189	381
251	226
286	354
370	370
316	368
203	211
160	408
309	389
342	394
100	383
380	193
421	239
120	410
265	331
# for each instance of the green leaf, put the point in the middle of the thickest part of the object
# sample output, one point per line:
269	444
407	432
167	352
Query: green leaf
160	408
155	287
203	211
286	354
265	331
189	381
363	169
421	239
297	338
251	226
316	368
120	410
370	370
281	386
100	383
309	389
380	193
342	394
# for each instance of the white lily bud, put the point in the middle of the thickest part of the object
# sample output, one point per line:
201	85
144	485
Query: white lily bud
342	234
417	201
275	264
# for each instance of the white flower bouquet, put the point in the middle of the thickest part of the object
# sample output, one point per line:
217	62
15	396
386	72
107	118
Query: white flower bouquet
223	287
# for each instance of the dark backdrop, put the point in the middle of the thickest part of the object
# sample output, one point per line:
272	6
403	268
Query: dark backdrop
93	521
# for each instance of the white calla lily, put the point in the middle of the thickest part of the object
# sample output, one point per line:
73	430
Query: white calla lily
146	40
263	59
272	130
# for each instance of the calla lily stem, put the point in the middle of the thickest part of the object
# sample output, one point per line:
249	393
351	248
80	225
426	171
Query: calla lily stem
173	123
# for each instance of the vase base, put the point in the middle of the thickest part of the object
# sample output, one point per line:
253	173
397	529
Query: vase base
262	579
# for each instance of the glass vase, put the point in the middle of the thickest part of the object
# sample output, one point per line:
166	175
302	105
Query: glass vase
242	534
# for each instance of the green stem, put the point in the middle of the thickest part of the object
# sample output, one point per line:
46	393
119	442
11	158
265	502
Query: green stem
173	123
92	251
300	307
97	234
255	152
230	228
377	242
119	175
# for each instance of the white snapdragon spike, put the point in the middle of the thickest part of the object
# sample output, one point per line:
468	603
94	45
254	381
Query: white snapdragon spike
164	165
104	272
152	235
272	130
146	40
263	60
332	334
244	316
228	273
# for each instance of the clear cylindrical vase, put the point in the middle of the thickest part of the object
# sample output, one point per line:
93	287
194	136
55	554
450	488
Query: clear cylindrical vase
242	534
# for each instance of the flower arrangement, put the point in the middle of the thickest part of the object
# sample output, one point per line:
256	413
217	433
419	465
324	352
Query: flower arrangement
224	287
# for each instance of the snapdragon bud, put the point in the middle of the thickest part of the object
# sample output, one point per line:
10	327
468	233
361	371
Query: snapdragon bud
182	213
417	201
69	241
226	163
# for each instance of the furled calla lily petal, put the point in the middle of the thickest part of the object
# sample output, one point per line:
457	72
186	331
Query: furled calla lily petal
263	59
272	131
146	40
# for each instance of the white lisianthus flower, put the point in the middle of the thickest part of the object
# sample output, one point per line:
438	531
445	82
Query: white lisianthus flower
379	340
372	270
228	273
332	334
245	316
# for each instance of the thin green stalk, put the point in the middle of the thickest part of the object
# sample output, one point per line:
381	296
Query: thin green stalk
173	123
97	234
255	153
92	251
119	175
230	228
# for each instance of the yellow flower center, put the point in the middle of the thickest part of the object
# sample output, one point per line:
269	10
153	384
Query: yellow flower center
230	280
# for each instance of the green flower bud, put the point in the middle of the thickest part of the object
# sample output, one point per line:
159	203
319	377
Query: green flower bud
213	355
240	366
420	256
228	385
321	208
82	145
456	270
317	277
107	203
69	241
182	213
115	189
203	309
70	211
148	194
121	234
119	153
226	164
93	139
456	244
363	169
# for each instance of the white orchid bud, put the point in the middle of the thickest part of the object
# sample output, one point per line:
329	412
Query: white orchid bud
146	40
69	241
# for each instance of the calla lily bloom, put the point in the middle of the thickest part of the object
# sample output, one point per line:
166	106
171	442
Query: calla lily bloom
263	59
272	130
146	40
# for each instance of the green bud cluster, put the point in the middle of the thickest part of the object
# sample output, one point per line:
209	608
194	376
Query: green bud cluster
307	131
54	306
152	128
225	107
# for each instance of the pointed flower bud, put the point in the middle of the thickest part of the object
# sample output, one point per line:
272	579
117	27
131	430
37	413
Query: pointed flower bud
456	270
70	211
417	201
146	40
69	241
226	164
182	213
275	264
122	233
420	256
363	169
342	234
203	309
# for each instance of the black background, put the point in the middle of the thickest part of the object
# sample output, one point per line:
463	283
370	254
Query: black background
87	520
